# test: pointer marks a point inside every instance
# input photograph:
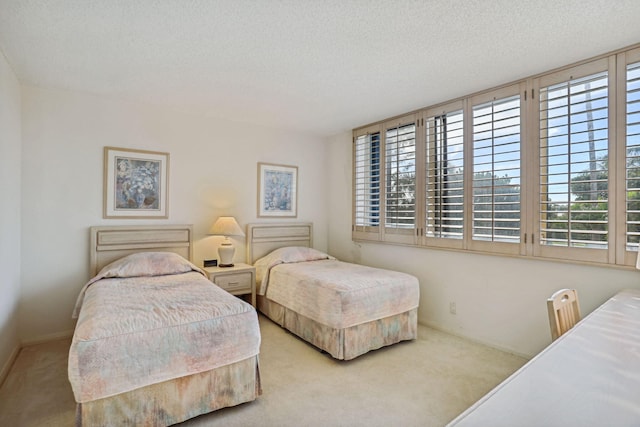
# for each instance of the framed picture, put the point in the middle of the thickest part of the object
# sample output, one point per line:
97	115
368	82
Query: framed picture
277	190
135	183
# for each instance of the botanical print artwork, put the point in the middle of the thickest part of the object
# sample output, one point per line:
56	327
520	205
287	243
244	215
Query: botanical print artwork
137	184
277	190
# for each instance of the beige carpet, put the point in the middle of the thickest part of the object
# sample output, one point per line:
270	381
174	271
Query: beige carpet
426	382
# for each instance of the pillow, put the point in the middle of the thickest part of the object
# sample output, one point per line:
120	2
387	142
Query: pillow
286	255
293	254
141	264
147	264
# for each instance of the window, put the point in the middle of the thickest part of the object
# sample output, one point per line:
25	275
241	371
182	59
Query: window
574	163
366	154
632	152
444	183
400	177
546	167
400	181
496	170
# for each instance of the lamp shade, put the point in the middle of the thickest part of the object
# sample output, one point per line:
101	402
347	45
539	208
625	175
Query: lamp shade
226	226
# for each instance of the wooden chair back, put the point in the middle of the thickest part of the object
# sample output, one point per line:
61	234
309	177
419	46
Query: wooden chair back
564	311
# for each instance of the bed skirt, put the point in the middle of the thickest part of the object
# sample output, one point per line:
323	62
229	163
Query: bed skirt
177	400
347	343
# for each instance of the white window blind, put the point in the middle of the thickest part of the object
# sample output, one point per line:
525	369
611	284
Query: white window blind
574	163
633	157
445	175
367	180
400	176
496	170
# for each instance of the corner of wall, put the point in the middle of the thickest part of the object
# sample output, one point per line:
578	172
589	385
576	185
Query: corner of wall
4	372
10	220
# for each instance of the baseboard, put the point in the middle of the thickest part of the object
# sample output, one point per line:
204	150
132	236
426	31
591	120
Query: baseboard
46	338
8	364
477	341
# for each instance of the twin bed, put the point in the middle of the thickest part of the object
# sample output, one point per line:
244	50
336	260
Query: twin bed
156	343
342	308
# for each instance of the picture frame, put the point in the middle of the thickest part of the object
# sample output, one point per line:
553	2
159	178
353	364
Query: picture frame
277	190
136	183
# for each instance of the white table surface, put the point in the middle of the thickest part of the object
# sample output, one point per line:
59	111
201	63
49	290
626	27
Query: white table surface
590	376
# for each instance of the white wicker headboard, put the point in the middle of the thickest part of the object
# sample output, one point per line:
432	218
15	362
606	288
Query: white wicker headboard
264	238
108	243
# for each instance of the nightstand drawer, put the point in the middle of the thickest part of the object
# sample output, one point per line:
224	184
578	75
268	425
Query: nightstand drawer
237	282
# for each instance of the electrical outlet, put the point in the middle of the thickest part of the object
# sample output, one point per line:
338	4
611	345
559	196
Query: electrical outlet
452	307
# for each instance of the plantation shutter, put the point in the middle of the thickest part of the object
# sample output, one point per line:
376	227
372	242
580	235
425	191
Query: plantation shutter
573	211
367	146
400	181
496	207
444	183
632	154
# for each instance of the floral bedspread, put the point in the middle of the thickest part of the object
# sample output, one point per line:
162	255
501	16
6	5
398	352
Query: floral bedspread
142	330
335	293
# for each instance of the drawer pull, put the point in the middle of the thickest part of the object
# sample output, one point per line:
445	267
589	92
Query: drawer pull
234	283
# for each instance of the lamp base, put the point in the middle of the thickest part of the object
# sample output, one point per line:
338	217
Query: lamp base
225	252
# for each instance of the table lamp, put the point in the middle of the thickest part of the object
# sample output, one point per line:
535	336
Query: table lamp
226	226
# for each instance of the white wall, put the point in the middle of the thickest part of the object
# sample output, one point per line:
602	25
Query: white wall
500	301
10	155
213	172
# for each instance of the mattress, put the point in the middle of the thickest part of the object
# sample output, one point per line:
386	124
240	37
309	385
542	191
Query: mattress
137	331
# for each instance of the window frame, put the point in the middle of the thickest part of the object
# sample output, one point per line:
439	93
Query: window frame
396	234
623	256
493	246
427	114
366	232
602	256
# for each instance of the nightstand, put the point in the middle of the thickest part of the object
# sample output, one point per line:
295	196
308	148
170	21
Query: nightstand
237	280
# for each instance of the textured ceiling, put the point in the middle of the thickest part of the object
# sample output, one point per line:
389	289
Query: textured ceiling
318	66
